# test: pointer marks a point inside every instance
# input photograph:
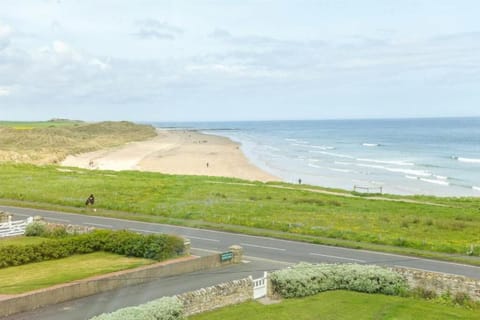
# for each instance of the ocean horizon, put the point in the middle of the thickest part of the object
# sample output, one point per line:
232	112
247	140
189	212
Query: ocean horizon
414	156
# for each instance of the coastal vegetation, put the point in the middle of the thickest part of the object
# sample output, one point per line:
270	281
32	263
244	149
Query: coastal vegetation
51	141
306	279
427	226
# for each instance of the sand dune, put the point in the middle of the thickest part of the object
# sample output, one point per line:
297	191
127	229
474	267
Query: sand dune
175	152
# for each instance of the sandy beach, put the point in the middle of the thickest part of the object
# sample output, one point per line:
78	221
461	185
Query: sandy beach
175	152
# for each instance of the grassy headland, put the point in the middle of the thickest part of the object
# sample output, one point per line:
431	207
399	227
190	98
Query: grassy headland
51	141
430	224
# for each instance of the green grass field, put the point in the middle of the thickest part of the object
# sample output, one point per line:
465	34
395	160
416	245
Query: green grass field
39	275
446	225
343	305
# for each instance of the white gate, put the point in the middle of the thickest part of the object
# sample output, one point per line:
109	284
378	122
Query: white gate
14	228
260	287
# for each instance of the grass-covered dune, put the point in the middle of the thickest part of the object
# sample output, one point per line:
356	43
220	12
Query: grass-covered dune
439	225
51	141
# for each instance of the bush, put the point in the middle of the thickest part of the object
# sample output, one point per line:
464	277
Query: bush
60	245
424	293
39	229
309	279
36	229
167	308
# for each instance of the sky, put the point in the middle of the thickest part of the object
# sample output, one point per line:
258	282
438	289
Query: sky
224	60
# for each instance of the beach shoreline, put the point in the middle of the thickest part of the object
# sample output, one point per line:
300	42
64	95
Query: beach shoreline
182	152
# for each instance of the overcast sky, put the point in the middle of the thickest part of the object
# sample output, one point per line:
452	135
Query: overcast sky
203	60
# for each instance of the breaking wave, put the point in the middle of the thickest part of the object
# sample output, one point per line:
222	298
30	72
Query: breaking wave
467	160
394	162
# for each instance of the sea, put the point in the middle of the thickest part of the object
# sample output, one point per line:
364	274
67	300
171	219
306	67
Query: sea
434	156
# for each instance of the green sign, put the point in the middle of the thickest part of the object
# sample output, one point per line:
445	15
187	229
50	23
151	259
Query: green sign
226	256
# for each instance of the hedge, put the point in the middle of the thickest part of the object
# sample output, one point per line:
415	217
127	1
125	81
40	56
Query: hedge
309	279
156	247
167	308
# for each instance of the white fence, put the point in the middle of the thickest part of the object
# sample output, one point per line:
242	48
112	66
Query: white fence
14	228
260	287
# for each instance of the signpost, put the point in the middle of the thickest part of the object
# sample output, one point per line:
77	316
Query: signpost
226	256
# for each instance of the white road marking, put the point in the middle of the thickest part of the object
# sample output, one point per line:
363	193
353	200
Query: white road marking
98	225
336	257
256	246
57	219
200	238
206	250
141	230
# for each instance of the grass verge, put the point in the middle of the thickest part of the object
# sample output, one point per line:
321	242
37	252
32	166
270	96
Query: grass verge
343	305
39	275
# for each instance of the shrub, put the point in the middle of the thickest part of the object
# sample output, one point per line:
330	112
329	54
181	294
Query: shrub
424	293
35	229
156	247
461	298
309	279
167	308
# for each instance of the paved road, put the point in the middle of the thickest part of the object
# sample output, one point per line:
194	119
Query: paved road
261	254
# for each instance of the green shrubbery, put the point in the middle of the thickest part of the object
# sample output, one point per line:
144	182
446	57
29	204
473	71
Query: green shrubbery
156	247
167	308
309	279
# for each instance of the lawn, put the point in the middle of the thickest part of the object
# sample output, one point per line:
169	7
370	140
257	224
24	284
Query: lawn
448	225
343	305
39	275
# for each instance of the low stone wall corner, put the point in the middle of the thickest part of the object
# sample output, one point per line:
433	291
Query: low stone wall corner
214	297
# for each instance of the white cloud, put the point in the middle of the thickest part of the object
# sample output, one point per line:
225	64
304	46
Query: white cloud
155	29
100	64
5	31
5	91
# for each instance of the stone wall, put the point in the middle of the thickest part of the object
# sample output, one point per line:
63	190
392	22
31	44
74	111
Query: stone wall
225	294
70	228
440	283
